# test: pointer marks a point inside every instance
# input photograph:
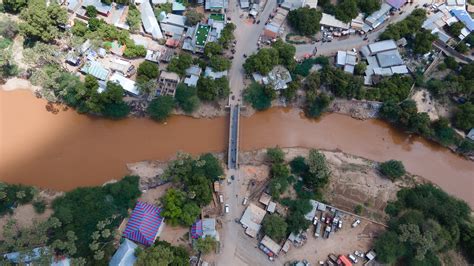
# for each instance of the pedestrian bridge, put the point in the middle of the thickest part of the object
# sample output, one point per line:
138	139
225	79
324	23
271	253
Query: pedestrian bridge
233	152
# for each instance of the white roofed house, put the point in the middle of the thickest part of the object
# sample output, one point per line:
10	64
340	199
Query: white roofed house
150	24
346	60
192	75
278	78
128	85
252	218
125	254
378	17
216	4
328	20
209	72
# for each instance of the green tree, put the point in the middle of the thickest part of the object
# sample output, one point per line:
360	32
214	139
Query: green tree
134	51
262	62
346	10
316	104
219	63
360	68
455	28
286	53
275	227
275	155
443	132
209	89
147	70
451	63
298	165
8	28
193	17
91	11
462	48
177	209
158	256
133	18
42	22
186	98
212	48
14	6
116	110
305	20
227	35
464	118
423	41
291	91
206	245
388	247
210	167
80	28
368	6
180	63
392	169
160	108
318	173
258	96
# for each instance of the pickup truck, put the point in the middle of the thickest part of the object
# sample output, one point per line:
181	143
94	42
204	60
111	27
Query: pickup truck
317	230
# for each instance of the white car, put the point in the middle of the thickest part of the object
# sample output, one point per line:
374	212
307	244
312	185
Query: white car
226	208
245	201
221	198
356	223
353	258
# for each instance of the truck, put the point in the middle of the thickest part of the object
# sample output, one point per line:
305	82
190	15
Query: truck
217	186
317	230
355	223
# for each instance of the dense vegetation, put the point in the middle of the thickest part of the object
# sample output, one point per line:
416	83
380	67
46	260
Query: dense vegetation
259	96
209	89
162	253
265	59
134	18
91	214
392	169
346	10
424	222
305	20
8	30
410	28
193	178
160	107
275	227
186	98
13	195
42	22
180	63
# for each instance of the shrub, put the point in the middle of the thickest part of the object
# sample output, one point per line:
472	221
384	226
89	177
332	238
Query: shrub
160	108
392	169
39	206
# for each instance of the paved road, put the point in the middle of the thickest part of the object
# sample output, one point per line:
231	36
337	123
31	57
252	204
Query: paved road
356	41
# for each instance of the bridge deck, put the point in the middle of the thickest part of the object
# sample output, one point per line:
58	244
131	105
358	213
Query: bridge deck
233	152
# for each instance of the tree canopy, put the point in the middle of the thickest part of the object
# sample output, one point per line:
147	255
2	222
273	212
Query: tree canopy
42	22
305	20
275	227
193	17
465	116
392	169
186	98
160	108
163	253
180	63
260	97
209	89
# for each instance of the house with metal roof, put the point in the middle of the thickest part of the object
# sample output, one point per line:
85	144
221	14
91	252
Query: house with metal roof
127	84
95	69
464	17
125	254
271	245
25	258
328	20
204	228
346	60
178	8
192	75
144	224
470	135
252	218
396	3
378	17
209	72
216	4
150	24
271	207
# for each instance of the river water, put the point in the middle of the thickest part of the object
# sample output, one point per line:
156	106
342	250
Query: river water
68	150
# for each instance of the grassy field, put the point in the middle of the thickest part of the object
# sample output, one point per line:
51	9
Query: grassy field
217	17
201	35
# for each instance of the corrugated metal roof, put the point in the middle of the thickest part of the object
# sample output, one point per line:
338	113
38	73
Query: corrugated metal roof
143	224
95	69
396	3
149	21
464	17
125	254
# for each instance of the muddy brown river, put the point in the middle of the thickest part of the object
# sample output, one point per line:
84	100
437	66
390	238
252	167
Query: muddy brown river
68	150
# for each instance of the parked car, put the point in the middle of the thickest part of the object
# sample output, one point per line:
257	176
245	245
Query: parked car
226	208
323	219
221	198
245	201
353	258
317	230
355	223
315	220
339	225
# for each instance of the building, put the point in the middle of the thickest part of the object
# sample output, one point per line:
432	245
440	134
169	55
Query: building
25	257
273	29
178	8
265	199
125	254
464	17
378	17
271	245
271	207
120	65
144	224
244	4
310	215
128	85
153	56
150	24
252	218
471	134
383	59
102	9
278	78
331	22
204	228
95	69
216	5
209	72
192	75
346	60
397	4
167	83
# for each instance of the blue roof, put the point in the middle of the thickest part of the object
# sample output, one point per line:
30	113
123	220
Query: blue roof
464	17
95	69
144	223
125	254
